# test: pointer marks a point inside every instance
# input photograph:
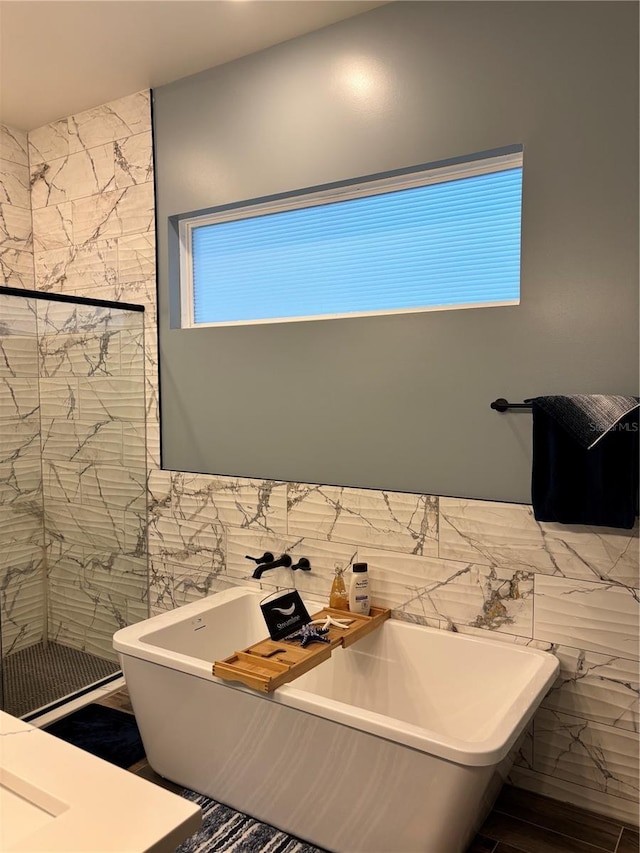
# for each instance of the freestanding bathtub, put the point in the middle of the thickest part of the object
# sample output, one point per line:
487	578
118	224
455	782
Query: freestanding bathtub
396	744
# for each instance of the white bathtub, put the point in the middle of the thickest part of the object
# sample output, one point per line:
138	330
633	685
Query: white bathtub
397	744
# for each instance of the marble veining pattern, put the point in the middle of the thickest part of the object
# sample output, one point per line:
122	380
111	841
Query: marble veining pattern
522	752
235	502
133	449
93	526
16	268
132	354
52	227
187	542
22	604
116	398
452	593
91	268
66	318
15	228
18	318
400	522
508	535
16	238
137	258
118	487
61	481
586	753
112	214
21	565
18	397
21	511
118	119
18	357
49	142
80	441
21	572
60	398
14	184
597	617
133	160
80	354
86	173
172	585
601	688
13	145
20	476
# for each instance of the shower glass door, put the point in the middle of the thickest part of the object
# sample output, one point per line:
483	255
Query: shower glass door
73	557
22	568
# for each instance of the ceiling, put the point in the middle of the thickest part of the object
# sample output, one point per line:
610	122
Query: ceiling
59	57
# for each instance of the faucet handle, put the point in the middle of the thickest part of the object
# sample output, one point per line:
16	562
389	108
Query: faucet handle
267	557
303	564
284	560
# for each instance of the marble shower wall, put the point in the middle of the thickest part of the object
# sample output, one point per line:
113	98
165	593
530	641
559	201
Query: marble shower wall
471	566
22	572
21	531
16	243
93	216
93	464
86	182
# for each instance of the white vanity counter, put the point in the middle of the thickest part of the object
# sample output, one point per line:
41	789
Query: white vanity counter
56	798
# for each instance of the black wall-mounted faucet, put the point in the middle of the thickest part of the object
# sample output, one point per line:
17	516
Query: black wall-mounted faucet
284	560
267	557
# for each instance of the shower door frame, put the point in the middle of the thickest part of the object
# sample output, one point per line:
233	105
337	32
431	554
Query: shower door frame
98	303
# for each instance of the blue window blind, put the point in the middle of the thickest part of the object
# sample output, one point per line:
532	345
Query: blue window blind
449	244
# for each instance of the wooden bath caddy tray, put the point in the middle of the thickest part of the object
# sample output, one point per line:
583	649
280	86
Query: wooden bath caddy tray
271	663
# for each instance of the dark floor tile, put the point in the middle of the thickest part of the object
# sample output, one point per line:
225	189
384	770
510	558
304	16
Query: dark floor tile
629	842
529	838
119	700
480	844
151	776
138	765
559	817
507	848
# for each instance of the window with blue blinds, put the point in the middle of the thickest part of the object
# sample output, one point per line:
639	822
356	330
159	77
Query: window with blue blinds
436	241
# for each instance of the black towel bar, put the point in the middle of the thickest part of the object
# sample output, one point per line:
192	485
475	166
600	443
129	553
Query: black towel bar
501	405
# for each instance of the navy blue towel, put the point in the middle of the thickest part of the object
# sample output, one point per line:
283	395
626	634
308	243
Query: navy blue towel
579	482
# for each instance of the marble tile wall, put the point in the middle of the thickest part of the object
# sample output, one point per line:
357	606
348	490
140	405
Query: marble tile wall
93	216
88	192
16	241
21	522
94	479
463	565
474	567
22	569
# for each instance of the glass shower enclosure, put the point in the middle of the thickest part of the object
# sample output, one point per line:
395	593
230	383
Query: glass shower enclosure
73	555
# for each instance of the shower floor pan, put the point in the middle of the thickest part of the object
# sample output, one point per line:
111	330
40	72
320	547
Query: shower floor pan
42	673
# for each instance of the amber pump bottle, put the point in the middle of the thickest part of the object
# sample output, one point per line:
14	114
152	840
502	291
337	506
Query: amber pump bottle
339	597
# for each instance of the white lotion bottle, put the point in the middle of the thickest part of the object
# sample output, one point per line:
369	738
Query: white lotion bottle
359	601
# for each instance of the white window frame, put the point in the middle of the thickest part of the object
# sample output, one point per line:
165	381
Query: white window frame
360	189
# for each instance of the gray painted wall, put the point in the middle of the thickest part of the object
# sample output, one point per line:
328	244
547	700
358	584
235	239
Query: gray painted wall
402	402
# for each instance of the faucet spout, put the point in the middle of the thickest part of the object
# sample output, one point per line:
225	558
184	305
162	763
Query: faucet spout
284	560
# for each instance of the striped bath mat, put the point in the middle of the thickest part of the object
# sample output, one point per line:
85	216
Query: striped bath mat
228	830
